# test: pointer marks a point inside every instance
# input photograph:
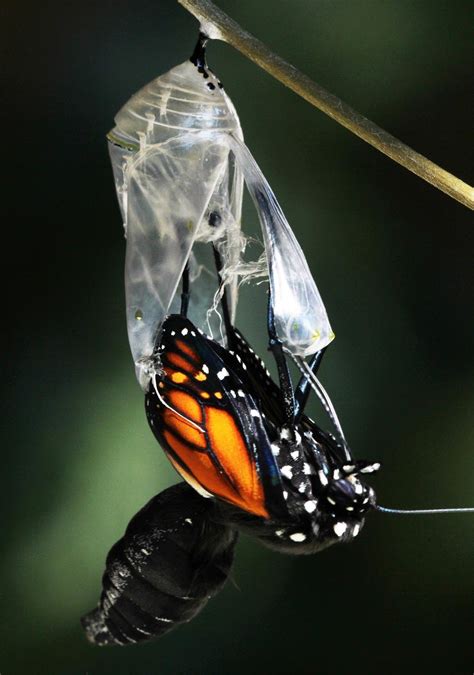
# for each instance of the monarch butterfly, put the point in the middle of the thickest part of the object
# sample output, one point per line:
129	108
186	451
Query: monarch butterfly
223	423
252	460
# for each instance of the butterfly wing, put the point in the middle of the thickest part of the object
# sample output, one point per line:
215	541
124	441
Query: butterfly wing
257	378
207	420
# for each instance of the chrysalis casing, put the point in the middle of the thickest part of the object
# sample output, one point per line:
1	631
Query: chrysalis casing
168	177
179	157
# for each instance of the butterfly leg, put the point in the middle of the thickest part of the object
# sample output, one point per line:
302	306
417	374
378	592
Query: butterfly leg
185	291
276	347
310	381
215	219
303	388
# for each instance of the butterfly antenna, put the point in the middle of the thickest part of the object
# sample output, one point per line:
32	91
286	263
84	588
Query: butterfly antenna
323	396
418	512
178	414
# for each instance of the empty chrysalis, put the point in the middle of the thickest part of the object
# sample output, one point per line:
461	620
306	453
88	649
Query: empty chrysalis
179	159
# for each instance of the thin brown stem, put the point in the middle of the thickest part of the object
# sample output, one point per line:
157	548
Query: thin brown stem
219	26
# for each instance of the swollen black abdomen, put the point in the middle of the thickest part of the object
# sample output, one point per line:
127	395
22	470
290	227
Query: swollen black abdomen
162	572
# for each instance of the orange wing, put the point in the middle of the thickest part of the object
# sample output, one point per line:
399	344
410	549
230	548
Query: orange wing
192	412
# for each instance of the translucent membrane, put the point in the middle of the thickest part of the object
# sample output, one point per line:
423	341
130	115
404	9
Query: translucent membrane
301	320
170	177
179	161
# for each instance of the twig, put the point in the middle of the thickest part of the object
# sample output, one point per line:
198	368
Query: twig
219	26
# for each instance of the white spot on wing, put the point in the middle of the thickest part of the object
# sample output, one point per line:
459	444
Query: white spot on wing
287	472
285	434
142	631
222	373
184	331
275	449
322	477
371	468
205	369
298	537
339	528
310	506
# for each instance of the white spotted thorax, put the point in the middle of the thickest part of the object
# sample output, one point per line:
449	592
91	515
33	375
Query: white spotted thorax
328	503
179	163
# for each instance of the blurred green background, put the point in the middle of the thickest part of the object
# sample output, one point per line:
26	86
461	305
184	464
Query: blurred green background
392	258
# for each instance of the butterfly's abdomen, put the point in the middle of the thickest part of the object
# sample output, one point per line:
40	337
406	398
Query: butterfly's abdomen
162	572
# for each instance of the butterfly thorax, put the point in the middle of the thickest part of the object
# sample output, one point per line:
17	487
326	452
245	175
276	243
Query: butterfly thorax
326	503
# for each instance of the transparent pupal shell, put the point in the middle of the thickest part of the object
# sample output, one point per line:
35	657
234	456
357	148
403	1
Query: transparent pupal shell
171	187
175	103
301	319
170	180
178	160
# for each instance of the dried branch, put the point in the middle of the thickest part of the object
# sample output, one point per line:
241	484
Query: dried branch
219	26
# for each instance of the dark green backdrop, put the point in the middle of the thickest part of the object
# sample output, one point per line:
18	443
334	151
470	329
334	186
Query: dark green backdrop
392	257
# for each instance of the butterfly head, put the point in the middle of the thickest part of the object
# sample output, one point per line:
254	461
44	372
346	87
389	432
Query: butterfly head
343	502
326	495
346	493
